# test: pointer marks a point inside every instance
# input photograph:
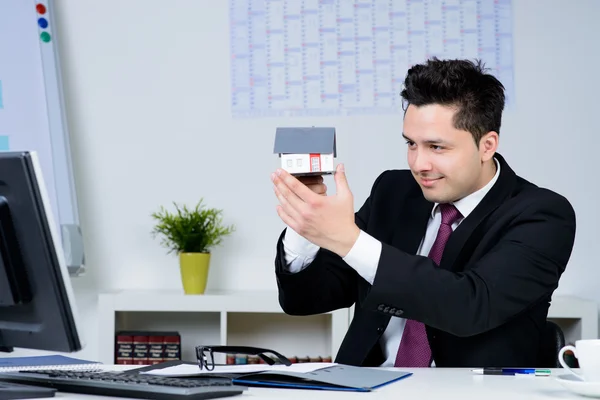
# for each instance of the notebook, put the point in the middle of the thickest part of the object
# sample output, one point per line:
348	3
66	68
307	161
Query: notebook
322	376
53	362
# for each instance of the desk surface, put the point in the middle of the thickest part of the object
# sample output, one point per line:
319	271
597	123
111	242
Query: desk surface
424	384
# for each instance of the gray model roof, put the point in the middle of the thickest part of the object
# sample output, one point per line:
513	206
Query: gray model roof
305	141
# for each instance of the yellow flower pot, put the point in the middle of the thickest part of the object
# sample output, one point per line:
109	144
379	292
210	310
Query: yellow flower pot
194	271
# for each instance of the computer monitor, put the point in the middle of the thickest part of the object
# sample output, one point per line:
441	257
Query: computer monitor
37	307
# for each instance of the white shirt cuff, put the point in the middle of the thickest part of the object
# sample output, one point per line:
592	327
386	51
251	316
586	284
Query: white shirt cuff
363	257
299	252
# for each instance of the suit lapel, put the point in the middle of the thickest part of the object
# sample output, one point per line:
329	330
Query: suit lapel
492	200
412	222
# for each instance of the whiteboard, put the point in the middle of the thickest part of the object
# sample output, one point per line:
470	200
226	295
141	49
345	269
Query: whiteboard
32	113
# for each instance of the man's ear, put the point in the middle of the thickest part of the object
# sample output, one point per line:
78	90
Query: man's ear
488	145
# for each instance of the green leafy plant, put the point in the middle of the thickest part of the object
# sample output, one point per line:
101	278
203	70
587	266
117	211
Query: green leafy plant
195	230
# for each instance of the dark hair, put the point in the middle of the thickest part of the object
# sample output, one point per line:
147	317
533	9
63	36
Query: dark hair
477	95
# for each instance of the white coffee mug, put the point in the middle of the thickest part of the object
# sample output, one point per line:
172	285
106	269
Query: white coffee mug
587	353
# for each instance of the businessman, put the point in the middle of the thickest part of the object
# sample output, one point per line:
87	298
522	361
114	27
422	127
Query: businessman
451	263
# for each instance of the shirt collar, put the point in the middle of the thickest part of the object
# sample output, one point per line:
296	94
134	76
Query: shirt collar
467	204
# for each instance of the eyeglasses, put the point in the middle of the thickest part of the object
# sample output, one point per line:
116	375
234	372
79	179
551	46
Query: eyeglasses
206	358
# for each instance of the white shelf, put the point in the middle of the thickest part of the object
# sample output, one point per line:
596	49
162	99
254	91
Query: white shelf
251	301
256	319
225	318
577	317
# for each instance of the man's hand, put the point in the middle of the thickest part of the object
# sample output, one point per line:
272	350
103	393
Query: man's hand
327	221
314	183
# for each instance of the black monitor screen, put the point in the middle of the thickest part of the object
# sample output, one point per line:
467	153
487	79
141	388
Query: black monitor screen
36	299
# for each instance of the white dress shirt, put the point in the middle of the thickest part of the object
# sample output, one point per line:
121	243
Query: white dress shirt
364	258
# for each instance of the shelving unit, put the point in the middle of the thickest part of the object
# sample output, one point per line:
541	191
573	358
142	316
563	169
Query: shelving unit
219	318
577	317
256	319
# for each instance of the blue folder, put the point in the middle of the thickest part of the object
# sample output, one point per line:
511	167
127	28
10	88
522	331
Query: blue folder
337	377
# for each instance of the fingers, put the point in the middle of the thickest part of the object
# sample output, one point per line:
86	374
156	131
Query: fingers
290	204
287	183
285	217
314	183
341	182
320	189
311	180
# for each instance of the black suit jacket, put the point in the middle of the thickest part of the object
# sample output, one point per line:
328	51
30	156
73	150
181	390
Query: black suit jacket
487	302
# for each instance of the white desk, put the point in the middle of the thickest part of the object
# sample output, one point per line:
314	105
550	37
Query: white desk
424	384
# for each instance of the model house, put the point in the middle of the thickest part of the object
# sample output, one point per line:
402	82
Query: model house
306	151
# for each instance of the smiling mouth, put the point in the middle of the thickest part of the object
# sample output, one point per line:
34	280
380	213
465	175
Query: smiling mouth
427	182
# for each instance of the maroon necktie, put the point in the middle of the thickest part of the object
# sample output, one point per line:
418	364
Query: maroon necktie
414	348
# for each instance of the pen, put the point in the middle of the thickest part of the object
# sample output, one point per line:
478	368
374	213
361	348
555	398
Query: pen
512	371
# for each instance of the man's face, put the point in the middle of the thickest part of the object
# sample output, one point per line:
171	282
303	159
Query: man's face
445	161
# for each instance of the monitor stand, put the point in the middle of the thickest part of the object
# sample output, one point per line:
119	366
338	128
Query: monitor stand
3	348
14	391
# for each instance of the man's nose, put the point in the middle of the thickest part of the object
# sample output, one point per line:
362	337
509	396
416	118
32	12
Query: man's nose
421	162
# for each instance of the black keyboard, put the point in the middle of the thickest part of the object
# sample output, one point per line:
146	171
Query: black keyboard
124	384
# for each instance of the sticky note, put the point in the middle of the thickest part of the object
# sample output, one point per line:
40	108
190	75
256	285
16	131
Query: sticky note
4	143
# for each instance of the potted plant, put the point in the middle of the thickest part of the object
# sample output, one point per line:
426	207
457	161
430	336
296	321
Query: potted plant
191	233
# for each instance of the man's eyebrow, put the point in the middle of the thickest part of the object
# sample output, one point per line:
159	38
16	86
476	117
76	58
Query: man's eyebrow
429	141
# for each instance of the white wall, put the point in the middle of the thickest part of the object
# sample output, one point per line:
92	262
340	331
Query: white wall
147	89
